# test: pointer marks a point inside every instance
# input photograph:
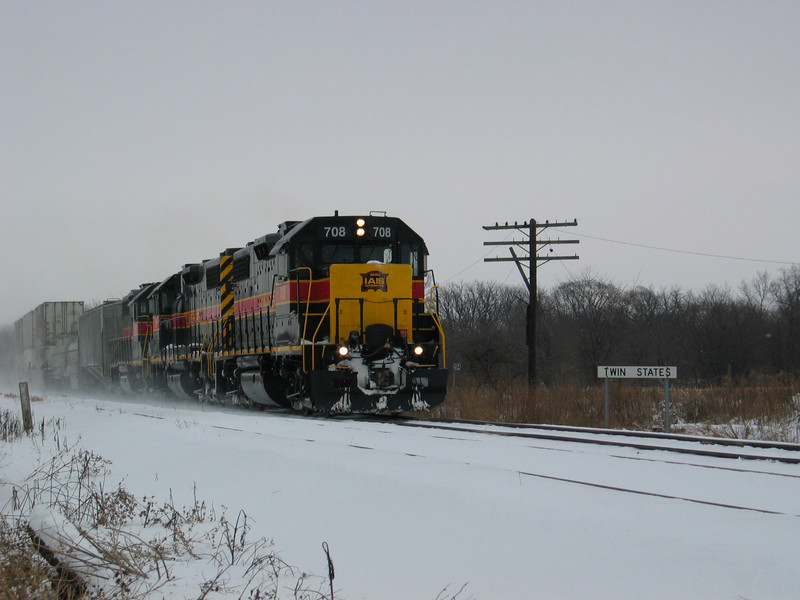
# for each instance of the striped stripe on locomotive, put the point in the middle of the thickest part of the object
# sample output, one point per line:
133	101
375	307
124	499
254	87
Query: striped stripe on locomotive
327	315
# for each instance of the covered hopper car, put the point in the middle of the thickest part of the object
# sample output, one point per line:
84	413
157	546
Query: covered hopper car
45	341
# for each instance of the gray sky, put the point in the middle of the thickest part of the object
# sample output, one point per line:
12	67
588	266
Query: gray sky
140	136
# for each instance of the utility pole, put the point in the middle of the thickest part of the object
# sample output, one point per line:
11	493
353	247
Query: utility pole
532	246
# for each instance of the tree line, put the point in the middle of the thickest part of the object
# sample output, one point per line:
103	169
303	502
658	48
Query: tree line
588	320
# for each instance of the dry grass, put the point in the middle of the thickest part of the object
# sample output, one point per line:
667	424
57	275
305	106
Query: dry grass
23	573
759	407
107	544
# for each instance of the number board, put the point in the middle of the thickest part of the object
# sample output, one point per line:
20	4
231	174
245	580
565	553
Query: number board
349	231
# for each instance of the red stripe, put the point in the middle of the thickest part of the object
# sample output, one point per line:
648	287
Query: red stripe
320	291
142	328
284	293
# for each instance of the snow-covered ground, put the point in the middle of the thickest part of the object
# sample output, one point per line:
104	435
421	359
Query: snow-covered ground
408	512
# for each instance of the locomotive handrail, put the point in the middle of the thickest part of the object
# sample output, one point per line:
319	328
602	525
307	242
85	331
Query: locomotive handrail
314	340
434	313
360	316
117	352
305	313
147	367
269	310
207	369
212	344
202	350
395	301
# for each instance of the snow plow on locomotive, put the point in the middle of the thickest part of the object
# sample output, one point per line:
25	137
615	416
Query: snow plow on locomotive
328	315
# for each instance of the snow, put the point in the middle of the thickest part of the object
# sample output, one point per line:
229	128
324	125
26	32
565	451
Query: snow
408	512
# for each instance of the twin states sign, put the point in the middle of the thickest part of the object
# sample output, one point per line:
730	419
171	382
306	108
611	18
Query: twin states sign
657	372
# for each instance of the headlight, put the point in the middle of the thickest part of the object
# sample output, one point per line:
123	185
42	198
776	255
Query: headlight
419	350
343	351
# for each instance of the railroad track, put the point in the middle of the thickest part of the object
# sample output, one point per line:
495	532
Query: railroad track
783	452
743	455
731	448
730	464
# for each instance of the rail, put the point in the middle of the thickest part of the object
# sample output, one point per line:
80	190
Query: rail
727	447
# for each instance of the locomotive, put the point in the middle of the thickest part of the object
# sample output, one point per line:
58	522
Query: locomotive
329	315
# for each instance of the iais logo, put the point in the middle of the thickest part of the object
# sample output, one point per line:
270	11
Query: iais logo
374	280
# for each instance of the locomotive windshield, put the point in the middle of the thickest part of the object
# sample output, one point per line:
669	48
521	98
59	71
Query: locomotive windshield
356	253
325	255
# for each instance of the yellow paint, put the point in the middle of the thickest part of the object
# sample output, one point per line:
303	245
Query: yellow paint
378	285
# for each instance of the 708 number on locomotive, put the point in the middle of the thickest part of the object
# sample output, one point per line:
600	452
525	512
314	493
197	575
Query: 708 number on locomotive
340	231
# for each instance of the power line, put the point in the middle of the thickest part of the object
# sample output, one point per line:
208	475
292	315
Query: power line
469	266
706	254
649	247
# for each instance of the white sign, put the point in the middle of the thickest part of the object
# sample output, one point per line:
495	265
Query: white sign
658	372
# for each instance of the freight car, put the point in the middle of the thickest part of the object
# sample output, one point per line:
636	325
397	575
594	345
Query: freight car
328	315
46	345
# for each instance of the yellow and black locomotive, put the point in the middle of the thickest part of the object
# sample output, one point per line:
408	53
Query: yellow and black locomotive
328	315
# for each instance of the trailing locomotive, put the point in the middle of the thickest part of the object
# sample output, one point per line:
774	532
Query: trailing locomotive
328	315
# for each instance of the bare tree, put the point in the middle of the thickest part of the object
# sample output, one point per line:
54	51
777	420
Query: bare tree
723	332
785	292
588	320
654	325
593	315
483	329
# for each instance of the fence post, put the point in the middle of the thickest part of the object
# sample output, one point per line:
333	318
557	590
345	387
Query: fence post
25	400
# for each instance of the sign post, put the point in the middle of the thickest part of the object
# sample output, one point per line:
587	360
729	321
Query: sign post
655	372
456	367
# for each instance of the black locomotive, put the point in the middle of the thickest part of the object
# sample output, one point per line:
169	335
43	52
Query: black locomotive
327	315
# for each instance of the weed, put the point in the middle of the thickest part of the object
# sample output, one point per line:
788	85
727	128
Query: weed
757	407
10	426
66	534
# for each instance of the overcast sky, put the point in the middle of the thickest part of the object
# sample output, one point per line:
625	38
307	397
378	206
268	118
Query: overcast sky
140	136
